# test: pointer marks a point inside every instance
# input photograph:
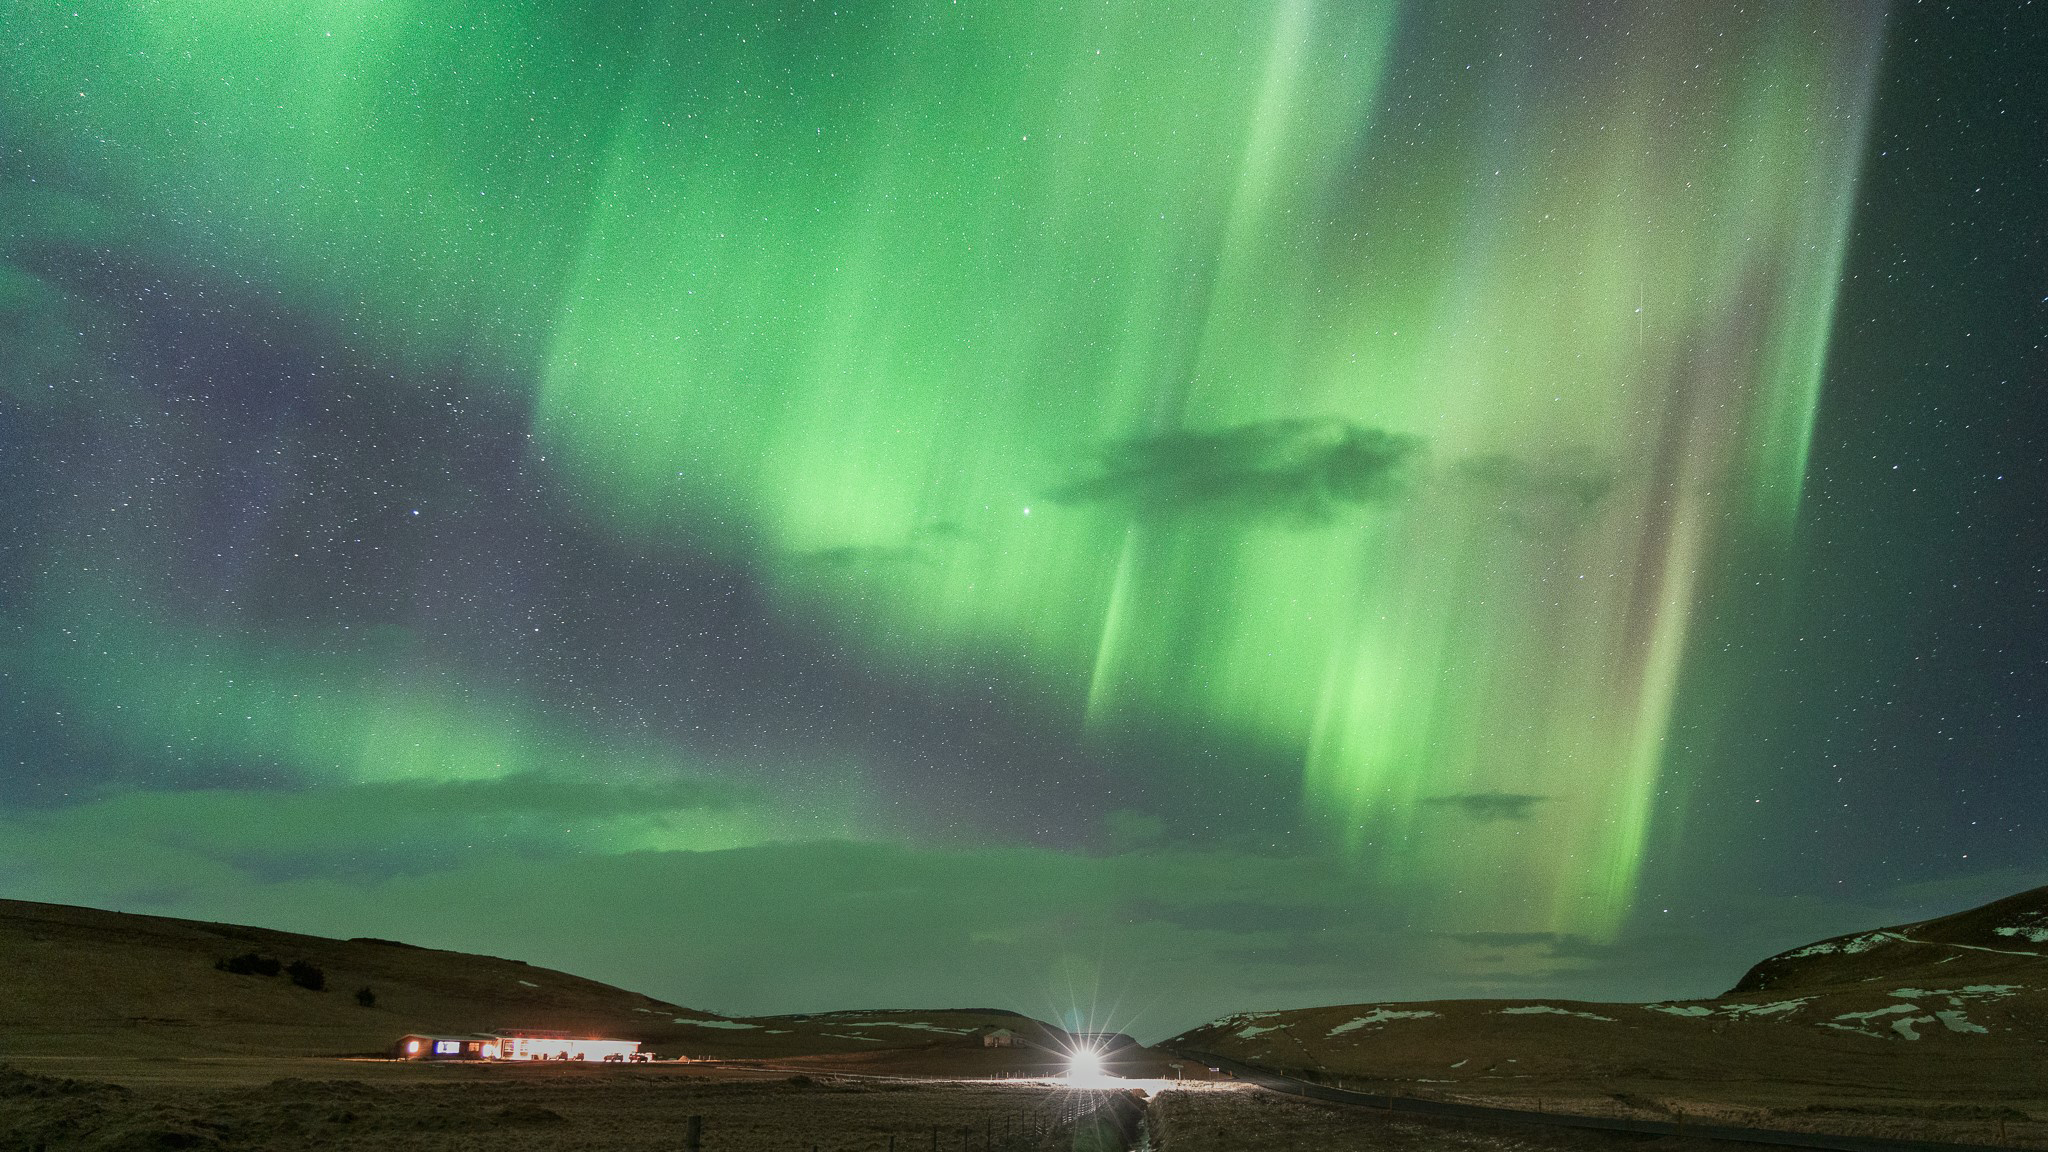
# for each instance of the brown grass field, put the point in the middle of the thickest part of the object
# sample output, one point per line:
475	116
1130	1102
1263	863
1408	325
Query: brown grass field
414	1108
1210	1121
533	1108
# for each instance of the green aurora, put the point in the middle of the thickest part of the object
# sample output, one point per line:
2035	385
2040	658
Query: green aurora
1375	385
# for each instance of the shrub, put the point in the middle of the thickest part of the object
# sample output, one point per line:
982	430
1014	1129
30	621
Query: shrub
365	997
249	964
306	975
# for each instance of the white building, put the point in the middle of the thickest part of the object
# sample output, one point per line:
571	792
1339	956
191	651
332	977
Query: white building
519	1044
542	1044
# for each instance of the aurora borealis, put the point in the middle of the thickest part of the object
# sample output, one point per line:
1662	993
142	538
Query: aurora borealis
1213	505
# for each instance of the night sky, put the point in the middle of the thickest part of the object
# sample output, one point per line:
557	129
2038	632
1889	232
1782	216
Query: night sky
1127	512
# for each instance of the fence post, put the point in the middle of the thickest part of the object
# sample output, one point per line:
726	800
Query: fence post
693	1140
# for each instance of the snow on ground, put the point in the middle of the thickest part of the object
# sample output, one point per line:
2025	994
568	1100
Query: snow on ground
1849	947
529	983
1731	1011
717	1023
1378	1016
1955	1021
1904	1025
919	1025
1910	1018
1888	1010
1774	1008
1244	1024
1963	995
2032	927
1547	1010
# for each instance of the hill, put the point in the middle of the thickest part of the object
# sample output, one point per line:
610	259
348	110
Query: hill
1944	1021
81	982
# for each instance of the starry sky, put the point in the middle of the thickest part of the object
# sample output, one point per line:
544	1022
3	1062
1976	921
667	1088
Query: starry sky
1127	511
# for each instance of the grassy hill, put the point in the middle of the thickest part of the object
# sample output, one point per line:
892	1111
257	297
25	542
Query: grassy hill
1942	1018
85	982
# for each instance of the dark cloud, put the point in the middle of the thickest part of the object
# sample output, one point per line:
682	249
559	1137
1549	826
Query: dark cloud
1290	469
1536	496
1487	807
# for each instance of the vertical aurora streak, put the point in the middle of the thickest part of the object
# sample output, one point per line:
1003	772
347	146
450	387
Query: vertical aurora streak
1596	281
1062	336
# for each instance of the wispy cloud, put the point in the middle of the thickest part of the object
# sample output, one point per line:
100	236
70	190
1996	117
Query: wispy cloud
1487	807
1562	492
1288	469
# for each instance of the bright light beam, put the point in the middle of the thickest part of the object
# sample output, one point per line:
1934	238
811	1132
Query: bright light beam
1085	1069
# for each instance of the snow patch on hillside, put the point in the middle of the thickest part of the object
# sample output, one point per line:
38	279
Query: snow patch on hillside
1963	995
1904	1025
1547	1010
1849	947
1242	1020
919	1025
1774	1008
1732	1011
1378	1016
2032	927
1888	1010
1910	1018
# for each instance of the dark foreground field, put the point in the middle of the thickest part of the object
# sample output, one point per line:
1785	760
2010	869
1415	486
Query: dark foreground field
1208	1120
613	1110
597	1109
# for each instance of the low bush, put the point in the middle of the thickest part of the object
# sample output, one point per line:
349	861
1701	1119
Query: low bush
306	975
365	997
249	964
